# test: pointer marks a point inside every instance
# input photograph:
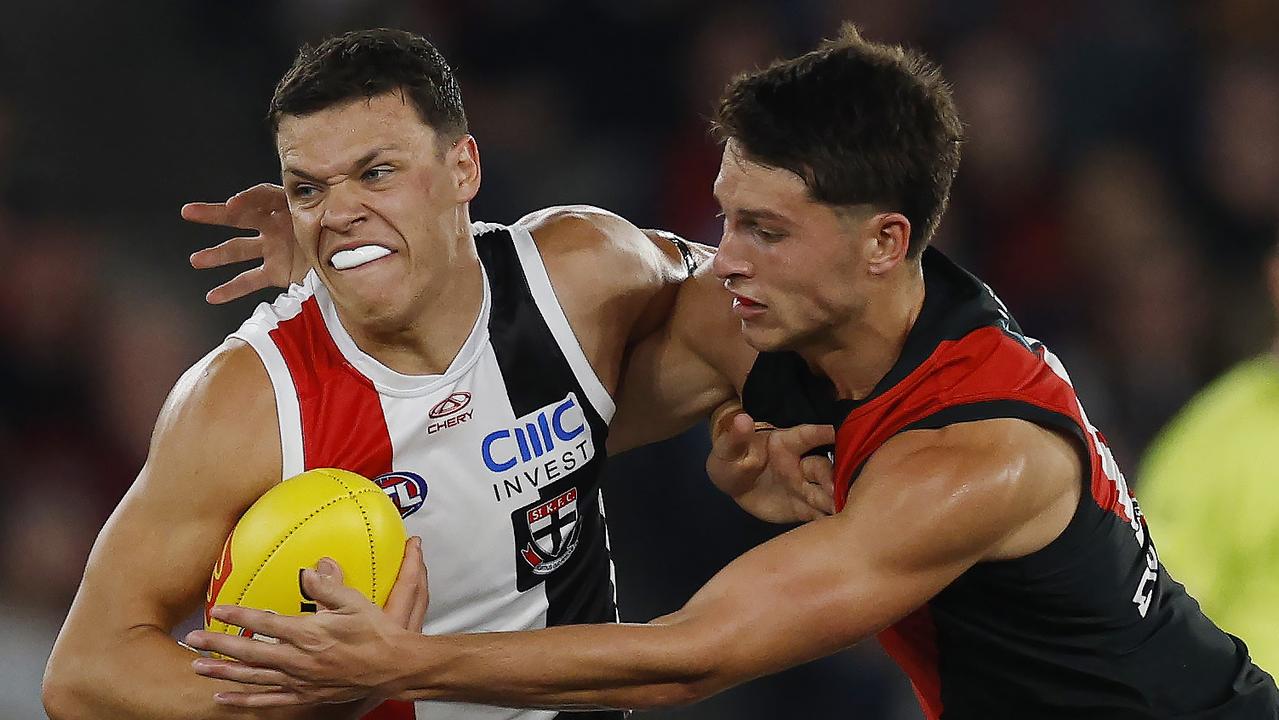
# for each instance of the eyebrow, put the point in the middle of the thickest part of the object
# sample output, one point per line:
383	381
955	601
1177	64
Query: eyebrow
762	214
365	159
753	214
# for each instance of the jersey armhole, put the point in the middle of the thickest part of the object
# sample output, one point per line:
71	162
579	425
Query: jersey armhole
287	409
539	282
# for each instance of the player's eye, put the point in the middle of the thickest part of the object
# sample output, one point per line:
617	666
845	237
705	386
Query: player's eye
377	173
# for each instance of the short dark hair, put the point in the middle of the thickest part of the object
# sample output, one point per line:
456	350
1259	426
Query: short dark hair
861	122
367	63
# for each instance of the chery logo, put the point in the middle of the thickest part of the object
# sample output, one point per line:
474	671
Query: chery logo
449	413
450	404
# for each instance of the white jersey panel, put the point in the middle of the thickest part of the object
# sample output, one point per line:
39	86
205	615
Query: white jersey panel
494	496
256	331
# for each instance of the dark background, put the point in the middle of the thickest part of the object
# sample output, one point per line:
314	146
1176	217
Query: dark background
1118	190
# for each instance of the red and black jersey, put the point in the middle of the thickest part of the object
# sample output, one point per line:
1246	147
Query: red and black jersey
1090	626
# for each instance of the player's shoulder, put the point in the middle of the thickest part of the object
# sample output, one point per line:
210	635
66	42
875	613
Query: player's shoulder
581	224
998	488
972	450
224	402
1007	462
585	234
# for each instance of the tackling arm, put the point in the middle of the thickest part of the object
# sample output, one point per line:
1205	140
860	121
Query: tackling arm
675	376
926	507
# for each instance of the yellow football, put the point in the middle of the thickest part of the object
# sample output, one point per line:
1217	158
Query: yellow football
320	513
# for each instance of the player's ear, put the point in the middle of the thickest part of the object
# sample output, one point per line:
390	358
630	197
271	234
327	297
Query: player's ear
464	159
888	240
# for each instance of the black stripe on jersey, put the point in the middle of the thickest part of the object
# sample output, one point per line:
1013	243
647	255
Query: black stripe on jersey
537	374
994	409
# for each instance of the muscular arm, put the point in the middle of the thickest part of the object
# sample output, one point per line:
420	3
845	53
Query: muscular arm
214	451
677	375
926	507
666	346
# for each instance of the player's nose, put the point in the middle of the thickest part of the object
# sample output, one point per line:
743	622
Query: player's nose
729	261
343	208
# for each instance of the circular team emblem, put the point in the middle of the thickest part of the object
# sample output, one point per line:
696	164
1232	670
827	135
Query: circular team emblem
451	404
407	490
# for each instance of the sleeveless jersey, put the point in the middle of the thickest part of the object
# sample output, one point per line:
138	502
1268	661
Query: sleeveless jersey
496	463
1090	626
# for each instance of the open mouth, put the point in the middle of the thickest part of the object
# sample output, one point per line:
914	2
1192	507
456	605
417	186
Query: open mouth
357	256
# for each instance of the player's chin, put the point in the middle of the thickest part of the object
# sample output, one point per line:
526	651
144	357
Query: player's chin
383	287
765	338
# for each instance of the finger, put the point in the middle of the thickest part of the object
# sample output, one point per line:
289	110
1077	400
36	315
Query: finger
819	472
819	499
735	438
243	649
403	596
263	197
239	672
260	699
246	283
206	213
421	599
330	592
235	250
805	512
802	438
329	568
257	622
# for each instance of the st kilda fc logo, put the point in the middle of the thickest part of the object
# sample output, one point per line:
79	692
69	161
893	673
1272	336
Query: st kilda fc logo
546	533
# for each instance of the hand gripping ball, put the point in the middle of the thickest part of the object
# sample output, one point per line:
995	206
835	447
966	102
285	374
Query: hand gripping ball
320	513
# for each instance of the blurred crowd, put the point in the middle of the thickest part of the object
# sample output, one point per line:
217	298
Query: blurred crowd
1118	190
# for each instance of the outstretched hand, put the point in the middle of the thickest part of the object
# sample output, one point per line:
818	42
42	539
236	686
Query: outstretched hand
766	470
263	208
349	650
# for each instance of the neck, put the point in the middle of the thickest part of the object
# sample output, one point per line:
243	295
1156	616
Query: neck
439	322
856	356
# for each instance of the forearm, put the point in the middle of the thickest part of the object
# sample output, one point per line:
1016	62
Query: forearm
147	676
609	666
792	600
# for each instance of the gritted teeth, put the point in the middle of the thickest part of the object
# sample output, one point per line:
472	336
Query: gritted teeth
355	257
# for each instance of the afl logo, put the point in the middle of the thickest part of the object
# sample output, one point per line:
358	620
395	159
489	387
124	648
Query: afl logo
450	404
407	490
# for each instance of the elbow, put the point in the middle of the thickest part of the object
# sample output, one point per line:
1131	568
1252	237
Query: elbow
67	689
58	693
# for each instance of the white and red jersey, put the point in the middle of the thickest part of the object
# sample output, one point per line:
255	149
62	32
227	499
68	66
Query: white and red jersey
496	463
